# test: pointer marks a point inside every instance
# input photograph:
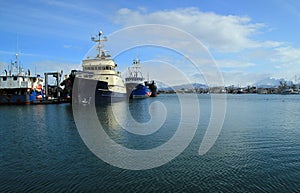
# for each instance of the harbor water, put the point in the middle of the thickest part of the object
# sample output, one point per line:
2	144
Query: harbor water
257	150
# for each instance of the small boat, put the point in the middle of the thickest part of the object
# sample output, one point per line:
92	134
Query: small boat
20	87
99	77
136	85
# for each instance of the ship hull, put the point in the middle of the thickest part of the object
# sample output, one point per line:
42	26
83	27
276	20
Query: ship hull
141	91
19	99
129	88
15	99
90	91
135	90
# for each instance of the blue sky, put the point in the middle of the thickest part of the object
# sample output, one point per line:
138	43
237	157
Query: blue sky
250	40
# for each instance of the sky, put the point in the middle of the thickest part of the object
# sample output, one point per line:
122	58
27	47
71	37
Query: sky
246	41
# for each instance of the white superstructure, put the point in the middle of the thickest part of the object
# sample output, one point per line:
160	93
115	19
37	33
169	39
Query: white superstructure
103	68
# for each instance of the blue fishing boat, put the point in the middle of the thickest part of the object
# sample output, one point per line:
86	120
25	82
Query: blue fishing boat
141	91
136	85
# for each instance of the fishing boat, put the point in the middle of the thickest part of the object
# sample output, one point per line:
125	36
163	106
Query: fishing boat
18	86
136	85
99	77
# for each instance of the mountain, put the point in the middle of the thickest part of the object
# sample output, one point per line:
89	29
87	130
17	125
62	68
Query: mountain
161	86
271	82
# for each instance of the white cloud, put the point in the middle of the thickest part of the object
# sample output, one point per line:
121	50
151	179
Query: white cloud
288	55
237	41
234	64
219	32
287	60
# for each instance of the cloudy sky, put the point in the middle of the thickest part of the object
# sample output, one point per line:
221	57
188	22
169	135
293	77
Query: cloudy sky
248	40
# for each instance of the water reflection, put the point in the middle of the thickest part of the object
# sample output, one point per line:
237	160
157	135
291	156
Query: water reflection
135	132
137	124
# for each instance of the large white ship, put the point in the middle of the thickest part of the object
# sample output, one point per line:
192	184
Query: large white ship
99	77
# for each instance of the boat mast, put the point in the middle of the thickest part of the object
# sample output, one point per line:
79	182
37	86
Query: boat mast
99	46
14	66
18	65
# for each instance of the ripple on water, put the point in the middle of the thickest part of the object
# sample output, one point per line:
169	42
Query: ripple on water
257	151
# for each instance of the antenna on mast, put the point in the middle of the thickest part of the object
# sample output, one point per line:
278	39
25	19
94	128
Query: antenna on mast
18	66
17	63
99	46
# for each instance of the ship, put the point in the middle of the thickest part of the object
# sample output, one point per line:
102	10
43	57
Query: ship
99	81
136	85
20	87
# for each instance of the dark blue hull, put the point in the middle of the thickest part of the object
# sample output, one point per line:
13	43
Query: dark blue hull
15	99
87	91
20	99
140	91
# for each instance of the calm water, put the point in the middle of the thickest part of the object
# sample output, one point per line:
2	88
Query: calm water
258	149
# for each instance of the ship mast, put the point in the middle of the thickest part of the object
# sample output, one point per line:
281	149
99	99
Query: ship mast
14	66
101	53
18	65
